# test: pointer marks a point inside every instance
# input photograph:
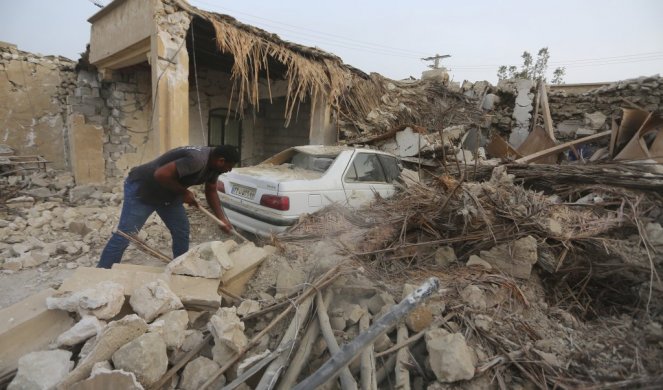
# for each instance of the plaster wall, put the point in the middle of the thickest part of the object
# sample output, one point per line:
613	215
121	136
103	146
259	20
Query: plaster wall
33	92
118	26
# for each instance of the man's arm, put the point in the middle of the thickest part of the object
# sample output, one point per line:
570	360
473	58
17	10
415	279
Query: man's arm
168	177
215	204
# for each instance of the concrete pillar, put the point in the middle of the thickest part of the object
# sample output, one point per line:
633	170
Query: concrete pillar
86	147
170	87
322	130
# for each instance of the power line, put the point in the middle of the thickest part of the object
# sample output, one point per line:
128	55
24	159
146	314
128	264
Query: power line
323	38
335	37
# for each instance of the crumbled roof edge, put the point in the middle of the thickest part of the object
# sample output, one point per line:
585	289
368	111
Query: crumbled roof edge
312	53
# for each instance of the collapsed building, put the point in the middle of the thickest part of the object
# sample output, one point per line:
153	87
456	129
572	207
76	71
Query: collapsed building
537	213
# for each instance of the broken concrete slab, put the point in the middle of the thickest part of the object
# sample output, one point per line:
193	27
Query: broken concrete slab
110	339
145	356
449	356
174	326
154	299
207	260
103	301
410	143
87	327
29	326
41	370
248	306
107	379
228	329
515	258
197	372
191	290
246	258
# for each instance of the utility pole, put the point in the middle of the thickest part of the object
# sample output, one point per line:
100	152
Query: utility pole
436	58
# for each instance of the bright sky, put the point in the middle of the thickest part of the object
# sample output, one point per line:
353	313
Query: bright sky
596	40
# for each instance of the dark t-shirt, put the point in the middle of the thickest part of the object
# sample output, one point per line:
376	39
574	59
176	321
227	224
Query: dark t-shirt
191	165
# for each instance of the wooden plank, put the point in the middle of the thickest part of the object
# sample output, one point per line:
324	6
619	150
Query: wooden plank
537	141
29	326
632	121
498	147
547	118
656	149
191	290
636	148
537	104
561	147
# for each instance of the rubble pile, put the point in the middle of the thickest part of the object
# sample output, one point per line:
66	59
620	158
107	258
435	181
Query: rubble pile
485	270
534	281
383	104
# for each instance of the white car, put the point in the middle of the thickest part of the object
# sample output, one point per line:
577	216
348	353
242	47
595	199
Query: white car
270	197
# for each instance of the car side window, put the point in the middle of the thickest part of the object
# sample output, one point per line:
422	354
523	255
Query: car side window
391	167
365	167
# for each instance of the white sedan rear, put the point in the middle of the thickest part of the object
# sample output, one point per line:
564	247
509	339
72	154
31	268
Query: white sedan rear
270	197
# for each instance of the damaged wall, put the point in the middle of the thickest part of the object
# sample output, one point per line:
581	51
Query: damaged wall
119	109
583	113
33	91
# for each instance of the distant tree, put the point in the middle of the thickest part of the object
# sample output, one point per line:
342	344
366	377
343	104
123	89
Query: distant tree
530	69
558	76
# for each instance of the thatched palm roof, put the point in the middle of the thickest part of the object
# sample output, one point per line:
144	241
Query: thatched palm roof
310	72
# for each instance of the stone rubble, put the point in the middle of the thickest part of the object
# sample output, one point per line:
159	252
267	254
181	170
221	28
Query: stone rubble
207	260
88	326
198	372
174	326
144	356
42	370
154	299
449	356
104	301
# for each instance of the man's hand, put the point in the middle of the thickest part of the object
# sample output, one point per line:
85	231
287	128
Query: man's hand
228	226
189	198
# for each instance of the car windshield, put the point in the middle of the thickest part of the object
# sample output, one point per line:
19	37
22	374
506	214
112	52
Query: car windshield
311	162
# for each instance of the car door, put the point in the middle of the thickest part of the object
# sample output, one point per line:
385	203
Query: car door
366	175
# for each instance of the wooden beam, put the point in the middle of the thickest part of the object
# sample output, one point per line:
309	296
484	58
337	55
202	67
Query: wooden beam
561	147
547	117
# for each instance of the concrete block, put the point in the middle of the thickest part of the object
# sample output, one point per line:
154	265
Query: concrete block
145	356
41	370
154	299
110	339
191	291
29	326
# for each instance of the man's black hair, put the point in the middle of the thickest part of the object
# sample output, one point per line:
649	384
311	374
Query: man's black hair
228	152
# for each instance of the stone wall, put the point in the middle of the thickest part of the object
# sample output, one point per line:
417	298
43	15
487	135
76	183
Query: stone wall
120	107
578	114
33	91
272	136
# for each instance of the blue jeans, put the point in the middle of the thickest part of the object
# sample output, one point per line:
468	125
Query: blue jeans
134	214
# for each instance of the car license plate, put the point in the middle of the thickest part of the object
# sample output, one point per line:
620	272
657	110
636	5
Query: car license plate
243	192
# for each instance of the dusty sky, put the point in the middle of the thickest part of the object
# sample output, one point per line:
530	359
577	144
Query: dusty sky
595	40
